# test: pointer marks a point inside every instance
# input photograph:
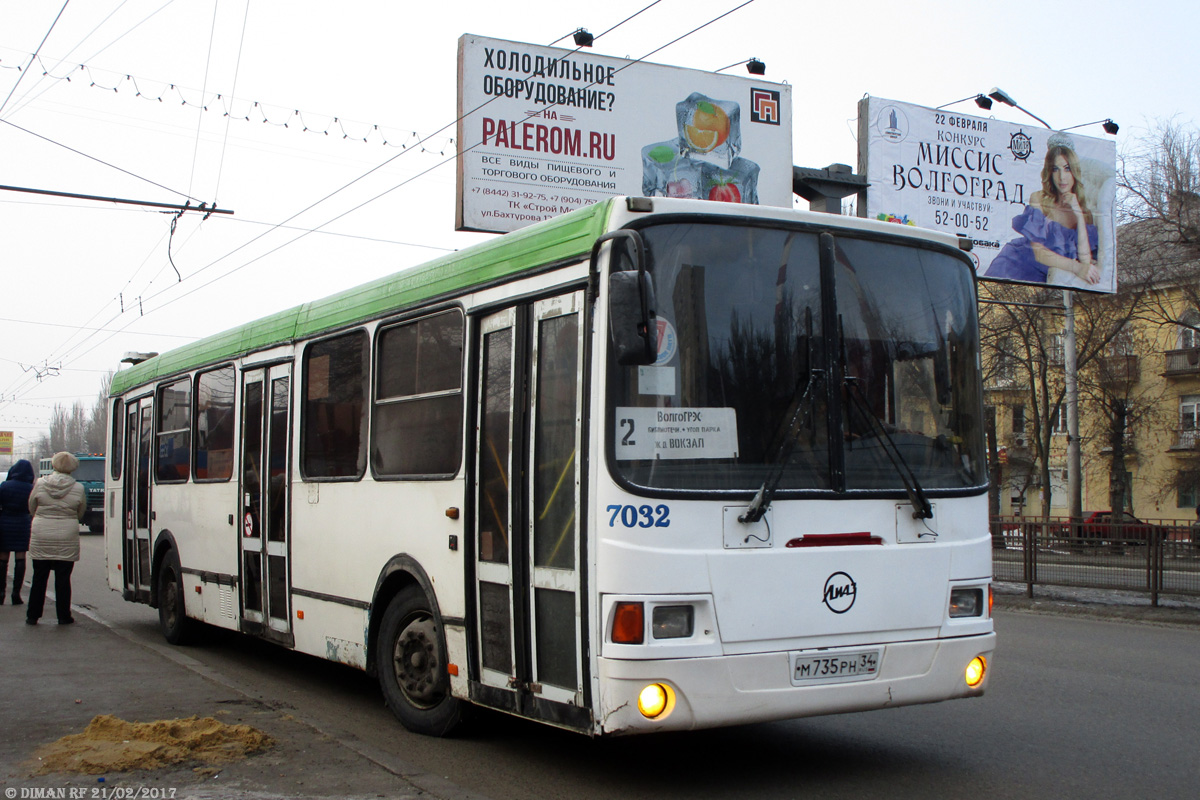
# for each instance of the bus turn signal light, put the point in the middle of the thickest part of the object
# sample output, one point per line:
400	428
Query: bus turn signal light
629	624
976	670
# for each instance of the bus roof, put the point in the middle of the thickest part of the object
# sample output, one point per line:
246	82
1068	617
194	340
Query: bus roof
564	237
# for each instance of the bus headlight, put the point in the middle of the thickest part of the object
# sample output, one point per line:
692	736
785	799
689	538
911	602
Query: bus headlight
966	603
975	671
656	700
672	622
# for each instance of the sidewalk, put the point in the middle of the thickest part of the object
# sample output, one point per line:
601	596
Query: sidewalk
1111	604
54	679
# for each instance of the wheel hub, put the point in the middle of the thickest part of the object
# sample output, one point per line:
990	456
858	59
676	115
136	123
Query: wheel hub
417	664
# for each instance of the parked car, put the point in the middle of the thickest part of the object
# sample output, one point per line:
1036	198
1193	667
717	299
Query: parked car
1104	526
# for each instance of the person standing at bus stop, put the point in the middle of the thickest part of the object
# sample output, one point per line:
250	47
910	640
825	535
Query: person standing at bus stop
58	504
14	526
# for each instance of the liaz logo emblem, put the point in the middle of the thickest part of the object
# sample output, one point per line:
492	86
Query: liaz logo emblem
764	106
840	592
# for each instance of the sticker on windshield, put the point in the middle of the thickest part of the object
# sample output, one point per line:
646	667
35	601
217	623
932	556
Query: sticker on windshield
656	381
676	433
668	342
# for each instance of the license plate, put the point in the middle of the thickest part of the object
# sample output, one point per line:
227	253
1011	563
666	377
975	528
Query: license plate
834	667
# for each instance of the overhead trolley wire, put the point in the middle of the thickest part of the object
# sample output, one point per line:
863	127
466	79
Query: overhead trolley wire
421	174
39	48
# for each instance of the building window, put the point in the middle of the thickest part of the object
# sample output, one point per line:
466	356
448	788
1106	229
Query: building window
334	422
1056	353
1018	413
174	431
1006	363
214	425
1058	420
1122	343
418	414
1188	335
1187	496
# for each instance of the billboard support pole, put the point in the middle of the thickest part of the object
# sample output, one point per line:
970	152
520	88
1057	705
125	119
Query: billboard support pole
1071	379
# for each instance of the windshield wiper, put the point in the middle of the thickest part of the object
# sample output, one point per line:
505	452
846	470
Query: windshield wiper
762	499
912	487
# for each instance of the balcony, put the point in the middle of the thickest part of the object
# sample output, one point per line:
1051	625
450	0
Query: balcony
1182	363
1121	370
1187	440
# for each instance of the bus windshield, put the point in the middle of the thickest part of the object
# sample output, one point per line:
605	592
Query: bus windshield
765	370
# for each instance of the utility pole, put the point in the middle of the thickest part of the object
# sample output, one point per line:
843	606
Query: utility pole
1071	379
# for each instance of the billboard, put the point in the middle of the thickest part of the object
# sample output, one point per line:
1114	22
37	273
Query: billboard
6	443
543	131
1037	203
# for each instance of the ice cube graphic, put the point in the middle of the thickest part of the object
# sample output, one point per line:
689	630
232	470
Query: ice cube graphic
709	129
667	173
737	184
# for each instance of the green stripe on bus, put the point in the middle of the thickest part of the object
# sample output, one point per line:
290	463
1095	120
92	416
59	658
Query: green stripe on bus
568	236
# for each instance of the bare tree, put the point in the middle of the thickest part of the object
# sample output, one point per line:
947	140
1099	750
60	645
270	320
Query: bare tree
1022	342
78	428
1160	193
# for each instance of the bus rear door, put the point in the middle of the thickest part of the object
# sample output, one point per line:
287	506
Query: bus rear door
264	581
135	561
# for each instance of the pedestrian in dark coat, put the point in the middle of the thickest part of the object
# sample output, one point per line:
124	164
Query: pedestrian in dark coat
14	526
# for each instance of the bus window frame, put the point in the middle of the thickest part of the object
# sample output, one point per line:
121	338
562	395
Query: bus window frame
412	318
738	495
116	422
196	420
300	430
159	407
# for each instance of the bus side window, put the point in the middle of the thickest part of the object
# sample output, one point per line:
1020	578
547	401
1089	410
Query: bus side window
214	425
117	450
173	435
334	416
418	398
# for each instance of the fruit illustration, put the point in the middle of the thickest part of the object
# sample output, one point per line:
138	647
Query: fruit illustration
725	193
680	188
709	127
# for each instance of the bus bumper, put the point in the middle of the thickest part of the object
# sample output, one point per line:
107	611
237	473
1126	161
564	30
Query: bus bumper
734	690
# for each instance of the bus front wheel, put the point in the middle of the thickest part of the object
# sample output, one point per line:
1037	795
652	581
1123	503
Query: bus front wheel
411	662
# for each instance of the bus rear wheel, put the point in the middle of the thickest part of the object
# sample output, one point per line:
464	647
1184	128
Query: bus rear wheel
411	663
172	617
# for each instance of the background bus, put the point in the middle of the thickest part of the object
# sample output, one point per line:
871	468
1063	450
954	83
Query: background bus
655	464
91	475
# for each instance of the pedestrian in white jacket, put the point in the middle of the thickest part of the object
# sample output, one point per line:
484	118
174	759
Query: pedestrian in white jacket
58	503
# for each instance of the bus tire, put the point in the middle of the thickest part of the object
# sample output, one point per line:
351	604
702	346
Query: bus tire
172	618
411	663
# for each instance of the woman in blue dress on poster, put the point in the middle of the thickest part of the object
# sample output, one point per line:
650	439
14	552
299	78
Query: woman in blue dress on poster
1057	230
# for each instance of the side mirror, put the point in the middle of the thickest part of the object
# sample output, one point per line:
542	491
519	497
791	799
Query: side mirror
631	321
633	329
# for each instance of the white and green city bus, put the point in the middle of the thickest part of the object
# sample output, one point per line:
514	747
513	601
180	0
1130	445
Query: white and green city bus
652	465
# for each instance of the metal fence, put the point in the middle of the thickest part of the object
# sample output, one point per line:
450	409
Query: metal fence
1155	557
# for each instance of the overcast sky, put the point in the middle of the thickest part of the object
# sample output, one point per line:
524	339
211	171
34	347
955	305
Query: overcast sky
387	72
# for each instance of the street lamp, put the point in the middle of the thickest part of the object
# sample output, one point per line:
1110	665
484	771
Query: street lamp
753	66
1109	126
983	102
1001	96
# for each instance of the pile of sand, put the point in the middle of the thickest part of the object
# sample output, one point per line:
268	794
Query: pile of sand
109	744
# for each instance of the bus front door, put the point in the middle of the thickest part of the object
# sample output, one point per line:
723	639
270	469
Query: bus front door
135	550
264	581
529	616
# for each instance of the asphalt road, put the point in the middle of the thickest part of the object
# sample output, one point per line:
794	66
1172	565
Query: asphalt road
1079	707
